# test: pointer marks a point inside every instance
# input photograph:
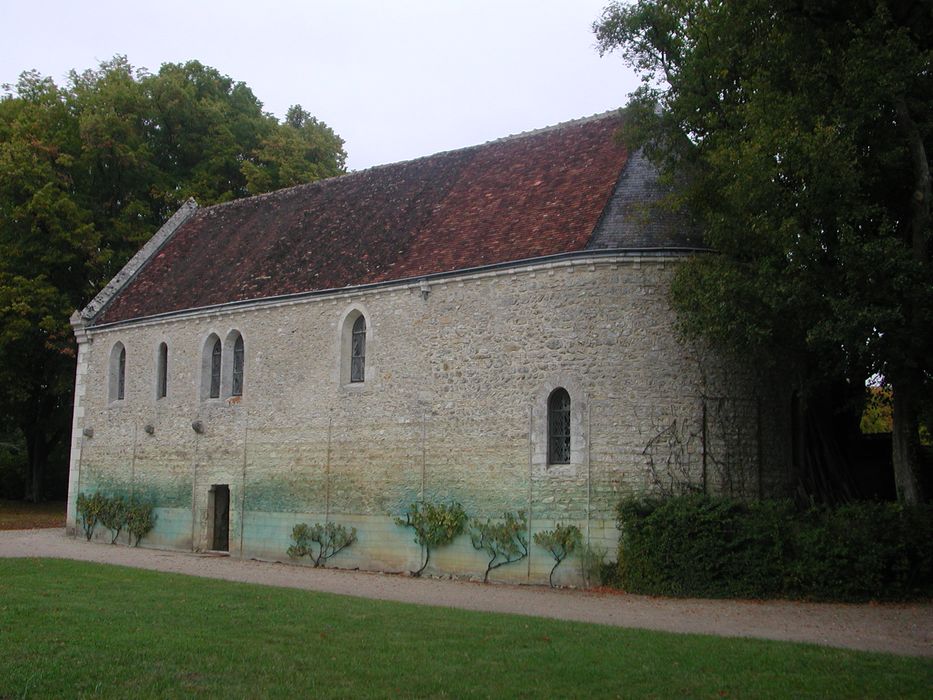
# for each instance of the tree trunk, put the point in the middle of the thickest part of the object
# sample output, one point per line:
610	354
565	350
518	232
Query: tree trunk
38	452
906	438
905	445
41	435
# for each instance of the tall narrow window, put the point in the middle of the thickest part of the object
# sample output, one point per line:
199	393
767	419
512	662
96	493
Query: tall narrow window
358	351
162	372
558	427
121	375
236	386
216	357
116	375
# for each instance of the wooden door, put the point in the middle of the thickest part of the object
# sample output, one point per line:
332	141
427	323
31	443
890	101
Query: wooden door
221	497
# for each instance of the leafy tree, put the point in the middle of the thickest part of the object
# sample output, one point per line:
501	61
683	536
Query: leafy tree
140	519
88	171
48	248
798	136
114	516
877	417
300	151
90	511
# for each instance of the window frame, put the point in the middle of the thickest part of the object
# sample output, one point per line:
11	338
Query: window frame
237	368
116	374
161	388
343	372
358	350
207	359
121	375
541	458
559	432
216	366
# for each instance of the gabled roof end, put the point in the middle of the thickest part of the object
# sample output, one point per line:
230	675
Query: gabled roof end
138	261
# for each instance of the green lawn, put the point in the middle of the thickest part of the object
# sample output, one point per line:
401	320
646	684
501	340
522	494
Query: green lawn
72	629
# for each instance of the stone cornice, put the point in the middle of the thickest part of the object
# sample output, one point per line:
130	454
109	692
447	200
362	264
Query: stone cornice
417	284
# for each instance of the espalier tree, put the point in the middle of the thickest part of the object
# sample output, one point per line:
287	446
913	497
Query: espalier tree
435	525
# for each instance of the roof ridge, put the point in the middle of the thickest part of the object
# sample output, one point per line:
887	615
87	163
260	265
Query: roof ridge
323	182
555	127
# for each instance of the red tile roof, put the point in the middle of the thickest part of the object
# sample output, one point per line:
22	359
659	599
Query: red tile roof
522	197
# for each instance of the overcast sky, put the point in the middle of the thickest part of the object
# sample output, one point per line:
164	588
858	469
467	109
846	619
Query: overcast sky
396	79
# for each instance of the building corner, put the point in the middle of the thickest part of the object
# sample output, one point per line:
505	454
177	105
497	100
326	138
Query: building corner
79	431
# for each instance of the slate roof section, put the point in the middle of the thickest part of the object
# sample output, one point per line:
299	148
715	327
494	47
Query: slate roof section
637	217
526	196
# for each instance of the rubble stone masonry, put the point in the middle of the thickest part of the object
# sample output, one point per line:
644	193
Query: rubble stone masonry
453	407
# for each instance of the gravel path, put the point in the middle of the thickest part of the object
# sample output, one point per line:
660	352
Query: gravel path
896	628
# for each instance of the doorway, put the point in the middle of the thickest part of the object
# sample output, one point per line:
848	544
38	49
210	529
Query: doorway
220	507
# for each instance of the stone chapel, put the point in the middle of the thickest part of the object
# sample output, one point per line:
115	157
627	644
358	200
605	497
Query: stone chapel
489	325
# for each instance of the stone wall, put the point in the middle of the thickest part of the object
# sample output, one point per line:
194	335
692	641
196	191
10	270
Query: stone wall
453	408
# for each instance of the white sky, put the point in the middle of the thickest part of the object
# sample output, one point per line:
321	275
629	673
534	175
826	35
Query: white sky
396	79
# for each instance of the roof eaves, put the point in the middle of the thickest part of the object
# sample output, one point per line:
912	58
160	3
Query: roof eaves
645	252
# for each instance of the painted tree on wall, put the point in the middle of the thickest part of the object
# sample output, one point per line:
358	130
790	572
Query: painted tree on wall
88	171
799	135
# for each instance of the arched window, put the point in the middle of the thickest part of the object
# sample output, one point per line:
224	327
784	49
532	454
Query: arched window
212	362
121	376
355	347
117	384
358	350
162	372
558	427
216	357
236	385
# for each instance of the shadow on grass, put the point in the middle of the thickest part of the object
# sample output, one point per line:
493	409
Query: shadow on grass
20	515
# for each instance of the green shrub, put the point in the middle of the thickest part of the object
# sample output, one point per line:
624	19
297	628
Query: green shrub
435	525
140	519
320	542
115	513
561	542
702	546
697	545
90	509
504	541
609	574
113	516
863	551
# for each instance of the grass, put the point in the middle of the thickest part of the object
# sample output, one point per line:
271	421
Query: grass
19	515
74	629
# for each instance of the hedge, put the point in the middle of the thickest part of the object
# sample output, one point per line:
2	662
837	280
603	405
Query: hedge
702	546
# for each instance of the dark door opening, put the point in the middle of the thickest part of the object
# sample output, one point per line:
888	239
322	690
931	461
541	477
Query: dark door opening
220	500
